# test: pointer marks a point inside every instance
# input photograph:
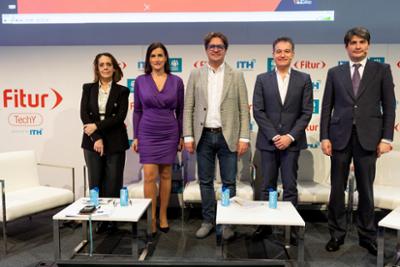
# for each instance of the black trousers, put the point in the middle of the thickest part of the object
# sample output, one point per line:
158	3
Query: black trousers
287	162
364	169
105	172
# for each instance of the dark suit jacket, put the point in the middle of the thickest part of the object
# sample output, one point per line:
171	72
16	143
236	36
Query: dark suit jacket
372	110
274	117
112	129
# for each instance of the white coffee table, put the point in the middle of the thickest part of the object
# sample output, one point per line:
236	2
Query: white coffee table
258	213
392	221
109	210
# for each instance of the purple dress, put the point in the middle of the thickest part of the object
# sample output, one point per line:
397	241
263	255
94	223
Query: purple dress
157	118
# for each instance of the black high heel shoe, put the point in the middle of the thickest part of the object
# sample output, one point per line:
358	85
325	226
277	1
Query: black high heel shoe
164	229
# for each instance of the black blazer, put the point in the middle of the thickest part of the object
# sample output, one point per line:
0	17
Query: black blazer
274	117
372	111
112	129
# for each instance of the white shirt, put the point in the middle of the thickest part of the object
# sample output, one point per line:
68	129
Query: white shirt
214	91
283	84
102	100
215	85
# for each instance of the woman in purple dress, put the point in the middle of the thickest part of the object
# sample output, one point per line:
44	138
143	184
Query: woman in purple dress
157	122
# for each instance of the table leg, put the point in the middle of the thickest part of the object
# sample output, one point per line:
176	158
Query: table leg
84	231
381	246
56	238
220	246
149	222
287	236
300	246
135	247
397	257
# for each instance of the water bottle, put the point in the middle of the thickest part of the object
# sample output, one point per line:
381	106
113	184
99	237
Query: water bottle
124	197
225	196
273	198
94	195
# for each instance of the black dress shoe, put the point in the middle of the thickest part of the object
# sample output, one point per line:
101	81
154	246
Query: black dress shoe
370	246
334	244
262	232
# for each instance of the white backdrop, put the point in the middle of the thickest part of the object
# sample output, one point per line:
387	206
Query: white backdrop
30	73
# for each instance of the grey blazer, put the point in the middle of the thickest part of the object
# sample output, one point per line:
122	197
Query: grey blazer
234	106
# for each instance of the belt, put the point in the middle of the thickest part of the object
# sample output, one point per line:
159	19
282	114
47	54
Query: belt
213	130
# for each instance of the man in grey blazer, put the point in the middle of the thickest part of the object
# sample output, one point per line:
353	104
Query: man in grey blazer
216	123
282	108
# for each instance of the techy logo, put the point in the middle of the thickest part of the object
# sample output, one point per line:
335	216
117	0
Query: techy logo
308	64
199	63
19	98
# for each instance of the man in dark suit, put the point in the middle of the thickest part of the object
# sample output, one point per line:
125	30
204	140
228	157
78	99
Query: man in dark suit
282	108
357	122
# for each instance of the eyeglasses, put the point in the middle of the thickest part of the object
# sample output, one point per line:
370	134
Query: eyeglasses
216	47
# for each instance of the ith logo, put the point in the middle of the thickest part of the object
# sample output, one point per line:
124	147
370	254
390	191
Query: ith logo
19	98
246	64
307	64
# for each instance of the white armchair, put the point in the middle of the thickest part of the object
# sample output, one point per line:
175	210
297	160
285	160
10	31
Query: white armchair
21	192
387	181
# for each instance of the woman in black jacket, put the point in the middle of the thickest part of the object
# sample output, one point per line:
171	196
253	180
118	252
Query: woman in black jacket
104	106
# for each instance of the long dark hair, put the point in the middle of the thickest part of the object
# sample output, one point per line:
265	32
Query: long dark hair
147	66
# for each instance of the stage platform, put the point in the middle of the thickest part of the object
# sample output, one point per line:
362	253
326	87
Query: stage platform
31	244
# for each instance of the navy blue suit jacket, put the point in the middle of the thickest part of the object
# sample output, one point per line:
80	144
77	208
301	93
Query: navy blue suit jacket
276	118
372	111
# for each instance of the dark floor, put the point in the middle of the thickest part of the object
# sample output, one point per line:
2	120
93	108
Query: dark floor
31	244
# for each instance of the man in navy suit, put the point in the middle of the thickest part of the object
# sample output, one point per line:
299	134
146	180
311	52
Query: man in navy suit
282	108
357	122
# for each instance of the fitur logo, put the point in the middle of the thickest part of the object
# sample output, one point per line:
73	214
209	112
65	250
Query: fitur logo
122	65
21	98
199	63
309	64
